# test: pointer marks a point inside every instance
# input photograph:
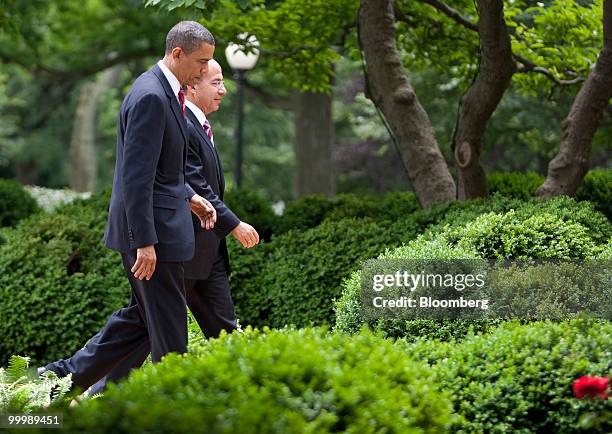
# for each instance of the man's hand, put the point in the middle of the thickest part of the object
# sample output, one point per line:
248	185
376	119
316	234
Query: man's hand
145	263
204	210
246	234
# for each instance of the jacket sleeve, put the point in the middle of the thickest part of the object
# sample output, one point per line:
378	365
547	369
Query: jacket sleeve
226	219
142	144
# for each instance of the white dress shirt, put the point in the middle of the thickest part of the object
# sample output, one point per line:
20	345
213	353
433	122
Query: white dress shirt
199	114
174	83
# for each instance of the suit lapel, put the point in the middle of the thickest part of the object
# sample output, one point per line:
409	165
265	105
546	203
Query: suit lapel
206	139
174	104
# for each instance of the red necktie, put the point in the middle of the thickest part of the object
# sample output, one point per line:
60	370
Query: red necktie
208	131
181	97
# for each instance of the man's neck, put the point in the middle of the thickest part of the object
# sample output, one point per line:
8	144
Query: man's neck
171	66
195	104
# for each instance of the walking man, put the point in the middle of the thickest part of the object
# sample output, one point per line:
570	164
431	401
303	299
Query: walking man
149	219
206	275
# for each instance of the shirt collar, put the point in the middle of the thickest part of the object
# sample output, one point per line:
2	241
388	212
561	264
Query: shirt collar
174	83
199	114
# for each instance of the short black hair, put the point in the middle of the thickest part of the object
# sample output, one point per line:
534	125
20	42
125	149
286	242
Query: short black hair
188	35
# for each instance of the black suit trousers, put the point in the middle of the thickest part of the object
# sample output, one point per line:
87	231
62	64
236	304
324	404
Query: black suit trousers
211	303
155	319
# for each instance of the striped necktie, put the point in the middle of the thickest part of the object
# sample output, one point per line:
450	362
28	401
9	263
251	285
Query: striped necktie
208	131
181	98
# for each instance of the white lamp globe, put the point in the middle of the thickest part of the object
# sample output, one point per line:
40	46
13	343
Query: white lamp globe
238	59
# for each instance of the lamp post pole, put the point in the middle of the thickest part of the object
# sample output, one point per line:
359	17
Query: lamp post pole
241	61
240	78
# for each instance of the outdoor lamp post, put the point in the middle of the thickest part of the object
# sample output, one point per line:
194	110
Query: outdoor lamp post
241	62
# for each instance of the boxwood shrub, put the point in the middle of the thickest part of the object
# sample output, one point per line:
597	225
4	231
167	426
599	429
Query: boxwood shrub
518	378
513	235
510	236
58	283
312	210
349	317
15	203
252	208
519	185
294	279
596	187
276	382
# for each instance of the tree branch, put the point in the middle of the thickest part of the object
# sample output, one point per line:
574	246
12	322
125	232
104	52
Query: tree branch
526	65
452	13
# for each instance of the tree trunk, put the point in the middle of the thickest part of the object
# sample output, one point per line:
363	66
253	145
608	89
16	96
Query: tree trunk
390	90
314	139
83	153
481	100
568	167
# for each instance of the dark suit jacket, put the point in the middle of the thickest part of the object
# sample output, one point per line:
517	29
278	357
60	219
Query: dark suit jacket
205	177
149	202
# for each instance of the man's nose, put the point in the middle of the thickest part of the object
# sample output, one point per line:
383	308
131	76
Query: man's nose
222	91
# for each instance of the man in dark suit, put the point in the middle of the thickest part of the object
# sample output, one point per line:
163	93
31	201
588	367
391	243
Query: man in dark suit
149	219
206	275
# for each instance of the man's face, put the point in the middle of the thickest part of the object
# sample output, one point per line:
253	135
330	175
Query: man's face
210	90
194	65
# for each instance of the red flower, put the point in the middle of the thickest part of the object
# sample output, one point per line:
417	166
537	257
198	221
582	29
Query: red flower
591	386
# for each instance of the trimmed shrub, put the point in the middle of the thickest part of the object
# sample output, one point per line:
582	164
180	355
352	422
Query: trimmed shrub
596	187
58	283
311	211
513	235
299	275
564	208
350	318
514	184
518	378
252	208
276	382
304	213
15	203
508	236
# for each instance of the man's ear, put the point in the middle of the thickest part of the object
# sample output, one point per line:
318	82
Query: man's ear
176	52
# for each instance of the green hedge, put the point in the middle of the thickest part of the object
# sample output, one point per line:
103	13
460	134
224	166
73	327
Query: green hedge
310	211
277	382
294	279
58	283
350	318
15	203
518	378
252	208
597	188
515	184
513	235
564	208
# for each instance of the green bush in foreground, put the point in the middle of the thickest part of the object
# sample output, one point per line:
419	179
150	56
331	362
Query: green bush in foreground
15	203
277	382
518	378
19	393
